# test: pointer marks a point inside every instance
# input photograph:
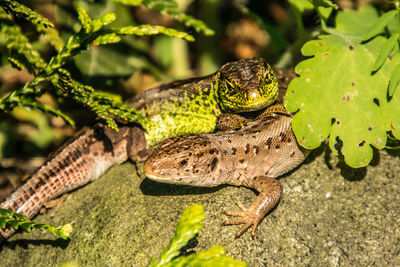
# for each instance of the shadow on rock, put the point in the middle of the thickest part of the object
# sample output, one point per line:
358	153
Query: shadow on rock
24	243
152	188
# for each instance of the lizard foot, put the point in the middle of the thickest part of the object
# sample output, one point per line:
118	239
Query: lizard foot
270	192
246	217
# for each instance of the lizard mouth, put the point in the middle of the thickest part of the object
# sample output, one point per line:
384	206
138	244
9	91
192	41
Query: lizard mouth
257	105
148	169
152	170
261	104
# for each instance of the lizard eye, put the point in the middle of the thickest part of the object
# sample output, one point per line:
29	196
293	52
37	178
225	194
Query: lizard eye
182	162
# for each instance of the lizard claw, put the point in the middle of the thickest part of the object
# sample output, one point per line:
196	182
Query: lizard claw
246	217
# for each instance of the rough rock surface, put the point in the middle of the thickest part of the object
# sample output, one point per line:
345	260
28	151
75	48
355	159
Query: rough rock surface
329	216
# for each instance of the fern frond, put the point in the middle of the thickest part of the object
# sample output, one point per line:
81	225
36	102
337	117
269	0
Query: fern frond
170	7
18	43
153	30
104	106
42	24
16	221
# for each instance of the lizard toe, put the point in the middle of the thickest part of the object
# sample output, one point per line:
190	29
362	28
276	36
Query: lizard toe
247	218
241	206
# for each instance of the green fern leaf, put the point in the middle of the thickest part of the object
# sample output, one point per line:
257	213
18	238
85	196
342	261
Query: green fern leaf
214	256
153	30
16	220
188	226
17	42
171	8
42	24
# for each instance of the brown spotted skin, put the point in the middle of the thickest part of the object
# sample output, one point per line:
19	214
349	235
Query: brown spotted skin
252	156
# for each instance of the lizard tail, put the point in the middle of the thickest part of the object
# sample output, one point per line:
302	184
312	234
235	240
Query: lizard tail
85	158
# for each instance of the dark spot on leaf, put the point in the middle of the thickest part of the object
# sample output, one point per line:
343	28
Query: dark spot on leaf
376	101
352	84
320	44
390	58
370	128
362	143
351	47
337	122
214	163
325	54
346	97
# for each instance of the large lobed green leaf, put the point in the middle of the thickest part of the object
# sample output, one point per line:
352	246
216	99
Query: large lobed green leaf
338	95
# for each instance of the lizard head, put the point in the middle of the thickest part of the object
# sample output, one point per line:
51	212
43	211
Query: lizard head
188	160
246	85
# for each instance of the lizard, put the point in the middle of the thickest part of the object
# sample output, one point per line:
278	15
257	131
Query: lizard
252	155
184	106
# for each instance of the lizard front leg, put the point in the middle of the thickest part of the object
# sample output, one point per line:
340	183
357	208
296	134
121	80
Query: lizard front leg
270	193
230	121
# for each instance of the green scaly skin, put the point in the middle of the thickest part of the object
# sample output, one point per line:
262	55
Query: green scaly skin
193	105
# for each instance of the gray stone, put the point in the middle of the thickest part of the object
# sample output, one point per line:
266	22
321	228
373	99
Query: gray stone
329	216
